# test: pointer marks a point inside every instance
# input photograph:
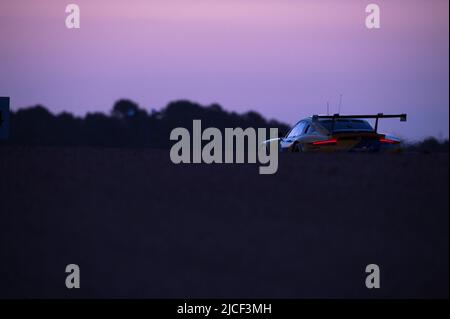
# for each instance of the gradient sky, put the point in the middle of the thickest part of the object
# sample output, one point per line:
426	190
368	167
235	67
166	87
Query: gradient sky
282	58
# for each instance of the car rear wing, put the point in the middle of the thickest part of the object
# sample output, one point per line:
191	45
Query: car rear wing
371	116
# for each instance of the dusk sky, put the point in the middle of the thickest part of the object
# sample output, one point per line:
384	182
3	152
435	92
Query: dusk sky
282	58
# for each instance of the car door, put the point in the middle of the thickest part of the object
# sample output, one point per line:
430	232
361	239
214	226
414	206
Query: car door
310	134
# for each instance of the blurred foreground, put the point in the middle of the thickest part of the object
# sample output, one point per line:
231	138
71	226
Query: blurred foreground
139	226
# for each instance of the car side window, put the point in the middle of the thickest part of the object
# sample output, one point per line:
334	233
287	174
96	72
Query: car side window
301	127
297	130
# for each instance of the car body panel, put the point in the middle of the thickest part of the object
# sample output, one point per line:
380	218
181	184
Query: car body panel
349	134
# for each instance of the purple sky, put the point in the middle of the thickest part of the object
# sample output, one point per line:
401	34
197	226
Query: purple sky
282	58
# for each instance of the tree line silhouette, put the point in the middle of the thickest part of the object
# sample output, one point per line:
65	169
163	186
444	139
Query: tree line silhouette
127	125
130	126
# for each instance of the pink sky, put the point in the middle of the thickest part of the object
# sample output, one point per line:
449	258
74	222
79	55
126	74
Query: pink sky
282	58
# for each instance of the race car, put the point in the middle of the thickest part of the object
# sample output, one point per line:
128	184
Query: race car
331	133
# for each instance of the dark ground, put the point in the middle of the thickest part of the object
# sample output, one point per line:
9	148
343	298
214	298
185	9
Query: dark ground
139	226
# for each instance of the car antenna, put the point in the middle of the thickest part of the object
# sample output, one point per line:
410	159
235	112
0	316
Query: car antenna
340	104
328	108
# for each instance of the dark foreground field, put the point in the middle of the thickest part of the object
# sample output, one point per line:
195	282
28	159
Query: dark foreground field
140	226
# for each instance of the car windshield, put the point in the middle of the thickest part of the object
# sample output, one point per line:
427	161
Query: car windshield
346	125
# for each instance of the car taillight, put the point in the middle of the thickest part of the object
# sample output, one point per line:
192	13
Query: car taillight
388	141
326	142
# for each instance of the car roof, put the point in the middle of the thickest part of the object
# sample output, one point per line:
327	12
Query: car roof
309	119
337	119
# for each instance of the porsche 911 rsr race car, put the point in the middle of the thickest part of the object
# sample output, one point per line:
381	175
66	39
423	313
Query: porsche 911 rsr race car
331	133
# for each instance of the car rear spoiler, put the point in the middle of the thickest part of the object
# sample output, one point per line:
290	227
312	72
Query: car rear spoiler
372	116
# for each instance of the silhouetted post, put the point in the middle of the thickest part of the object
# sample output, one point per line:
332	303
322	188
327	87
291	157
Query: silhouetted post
4	117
